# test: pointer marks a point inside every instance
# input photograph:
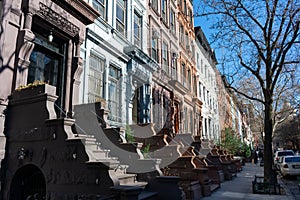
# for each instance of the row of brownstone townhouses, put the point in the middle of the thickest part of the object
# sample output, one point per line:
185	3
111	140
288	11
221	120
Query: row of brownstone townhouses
111	99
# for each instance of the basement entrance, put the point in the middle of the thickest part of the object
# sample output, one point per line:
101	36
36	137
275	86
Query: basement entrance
28	183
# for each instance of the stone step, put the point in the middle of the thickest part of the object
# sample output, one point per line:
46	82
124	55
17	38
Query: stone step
85	135
138	184
127	179
101	153
112	163
130	180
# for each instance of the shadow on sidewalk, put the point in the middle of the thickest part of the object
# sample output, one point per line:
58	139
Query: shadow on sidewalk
240	187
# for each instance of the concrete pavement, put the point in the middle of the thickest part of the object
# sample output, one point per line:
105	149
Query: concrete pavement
240	187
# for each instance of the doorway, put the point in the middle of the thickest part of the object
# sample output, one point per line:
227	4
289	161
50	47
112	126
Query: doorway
28	183
48	59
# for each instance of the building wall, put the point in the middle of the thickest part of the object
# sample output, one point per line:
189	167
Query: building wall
171	43
207	87
119	43
25	30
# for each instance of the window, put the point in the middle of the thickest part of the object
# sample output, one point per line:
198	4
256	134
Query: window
191	17
204	95
180	3
207	97
154	5
191	121
201	66
100	6
184	8
200	91
113	102
43	67
165	59
137	29
193	51
164	10
121	17
187	41
183	78
198	64
95	78
174	66
189	78
181	34
195	85
172	21
186	124
154	46
1	9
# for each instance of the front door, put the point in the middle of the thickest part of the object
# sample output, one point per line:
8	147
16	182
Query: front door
48	59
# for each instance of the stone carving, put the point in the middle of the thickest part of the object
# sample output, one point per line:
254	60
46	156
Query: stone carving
55	19
25	52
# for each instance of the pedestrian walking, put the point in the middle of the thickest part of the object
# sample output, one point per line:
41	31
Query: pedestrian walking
255	157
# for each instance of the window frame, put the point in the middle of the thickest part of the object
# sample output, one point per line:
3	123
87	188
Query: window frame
119	22
165	57
181	32
138	38
115	98
154	47
172	21
103	5
96	78
164	11
154	5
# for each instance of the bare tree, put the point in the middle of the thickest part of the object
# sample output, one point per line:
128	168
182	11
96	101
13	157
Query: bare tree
260	41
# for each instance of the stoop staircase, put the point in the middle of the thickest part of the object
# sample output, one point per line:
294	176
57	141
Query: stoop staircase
92	131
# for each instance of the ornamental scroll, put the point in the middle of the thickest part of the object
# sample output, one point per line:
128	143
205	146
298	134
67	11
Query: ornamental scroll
57	20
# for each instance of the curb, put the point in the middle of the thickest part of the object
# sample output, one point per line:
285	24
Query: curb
287	190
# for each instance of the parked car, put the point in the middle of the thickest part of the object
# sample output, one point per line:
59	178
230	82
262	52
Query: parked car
281	153
289	165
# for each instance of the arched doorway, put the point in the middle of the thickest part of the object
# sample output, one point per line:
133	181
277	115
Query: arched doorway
28	182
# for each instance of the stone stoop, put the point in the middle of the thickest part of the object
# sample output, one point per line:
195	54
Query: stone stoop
98	155
108	146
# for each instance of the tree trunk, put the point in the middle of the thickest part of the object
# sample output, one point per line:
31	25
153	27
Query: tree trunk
269	173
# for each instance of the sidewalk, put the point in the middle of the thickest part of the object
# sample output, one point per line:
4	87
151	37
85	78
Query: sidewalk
240	187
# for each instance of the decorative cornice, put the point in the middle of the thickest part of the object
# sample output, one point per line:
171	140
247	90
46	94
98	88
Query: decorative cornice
79	9
138	54
197	101
178	87
57	20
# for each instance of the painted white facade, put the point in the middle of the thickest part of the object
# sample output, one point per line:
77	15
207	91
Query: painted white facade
116	61
207	88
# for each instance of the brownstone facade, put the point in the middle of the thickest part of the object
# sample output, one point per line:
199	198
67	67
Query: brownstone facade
40	42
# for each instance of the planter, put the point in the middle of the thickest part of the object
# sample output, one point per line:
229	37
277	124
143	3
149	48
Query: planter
33	90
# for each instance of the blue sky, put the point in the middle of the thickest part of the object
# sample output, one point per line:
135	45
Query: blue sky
204	23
